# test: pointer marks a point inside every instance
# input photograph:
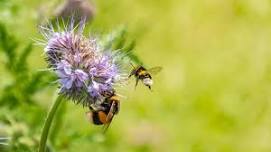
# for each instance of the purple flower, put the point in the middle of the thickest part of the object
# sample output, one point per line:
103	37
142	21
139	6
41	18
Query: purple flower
94	90
104	70
70	78
80	77
85	71
99	90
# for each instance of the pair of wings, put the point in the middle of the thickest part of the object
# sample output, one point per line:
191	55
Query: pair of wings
155	70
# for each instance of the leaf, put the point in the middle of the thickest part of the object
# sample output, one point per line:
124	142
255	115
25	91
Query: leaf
114	40
21	64
8	45
24	83
117	40
39	81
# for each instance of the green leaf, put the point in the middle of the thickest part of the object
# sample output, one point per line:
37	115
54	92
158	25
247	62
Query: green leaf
21	64
8	45
117	40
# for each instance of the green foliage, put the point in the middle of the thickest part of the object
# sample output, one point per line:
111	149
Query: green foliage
118	40
17	95
24	83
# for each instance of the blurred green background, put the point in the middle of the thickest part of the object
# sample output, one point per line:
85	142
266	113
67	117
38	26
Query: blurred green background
213	94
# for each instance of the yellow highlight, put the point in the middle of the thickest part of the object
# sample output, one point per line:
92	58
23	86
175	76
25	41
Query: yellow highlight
142	72
115	98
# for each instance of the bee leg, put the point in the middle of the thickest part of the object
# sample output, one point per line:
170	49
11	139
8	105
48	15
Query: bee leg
132	73
117	108
136	82
94	107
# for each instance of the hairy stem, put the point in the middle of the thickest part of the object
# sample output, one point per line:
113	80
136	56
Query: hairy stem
48	122
57	124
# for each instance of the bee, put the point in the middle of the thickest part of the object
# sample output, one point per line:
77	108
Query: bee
144	75
104	114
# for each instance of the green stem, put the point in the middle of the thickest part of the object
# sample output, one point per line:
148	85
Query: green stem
58	121
47	124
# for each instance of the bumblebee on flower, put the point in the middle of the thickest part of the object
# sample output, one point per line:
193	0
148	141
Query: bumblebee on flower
84	69
88	73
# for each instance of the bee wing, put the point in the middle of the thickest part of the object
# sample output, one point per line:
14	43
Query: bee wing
109	118
106	126
110	113
155	70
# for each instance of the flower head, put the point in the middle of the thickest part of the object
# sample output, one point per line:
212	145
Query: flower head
86	72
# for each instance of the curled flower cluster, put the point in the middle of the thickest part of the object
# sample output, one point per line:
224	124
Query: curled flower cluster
86	72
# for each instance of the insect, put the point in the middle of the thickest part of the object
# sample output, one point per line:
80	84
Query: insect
104	114
144	74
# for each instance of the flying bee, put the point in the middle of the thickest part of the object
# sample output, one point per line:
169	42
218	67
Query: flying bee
103	115
144	75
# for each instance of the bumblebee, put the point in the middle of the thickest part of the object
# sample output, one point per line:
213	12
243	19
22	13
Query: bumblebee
103	115
144	75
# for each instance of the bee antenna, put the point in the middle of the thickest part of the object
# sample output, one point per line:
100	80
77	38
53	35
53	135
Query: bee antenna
132	65
120	95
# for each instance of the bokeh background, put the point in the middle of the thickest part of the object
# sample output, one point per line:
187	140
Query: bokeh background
213	94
